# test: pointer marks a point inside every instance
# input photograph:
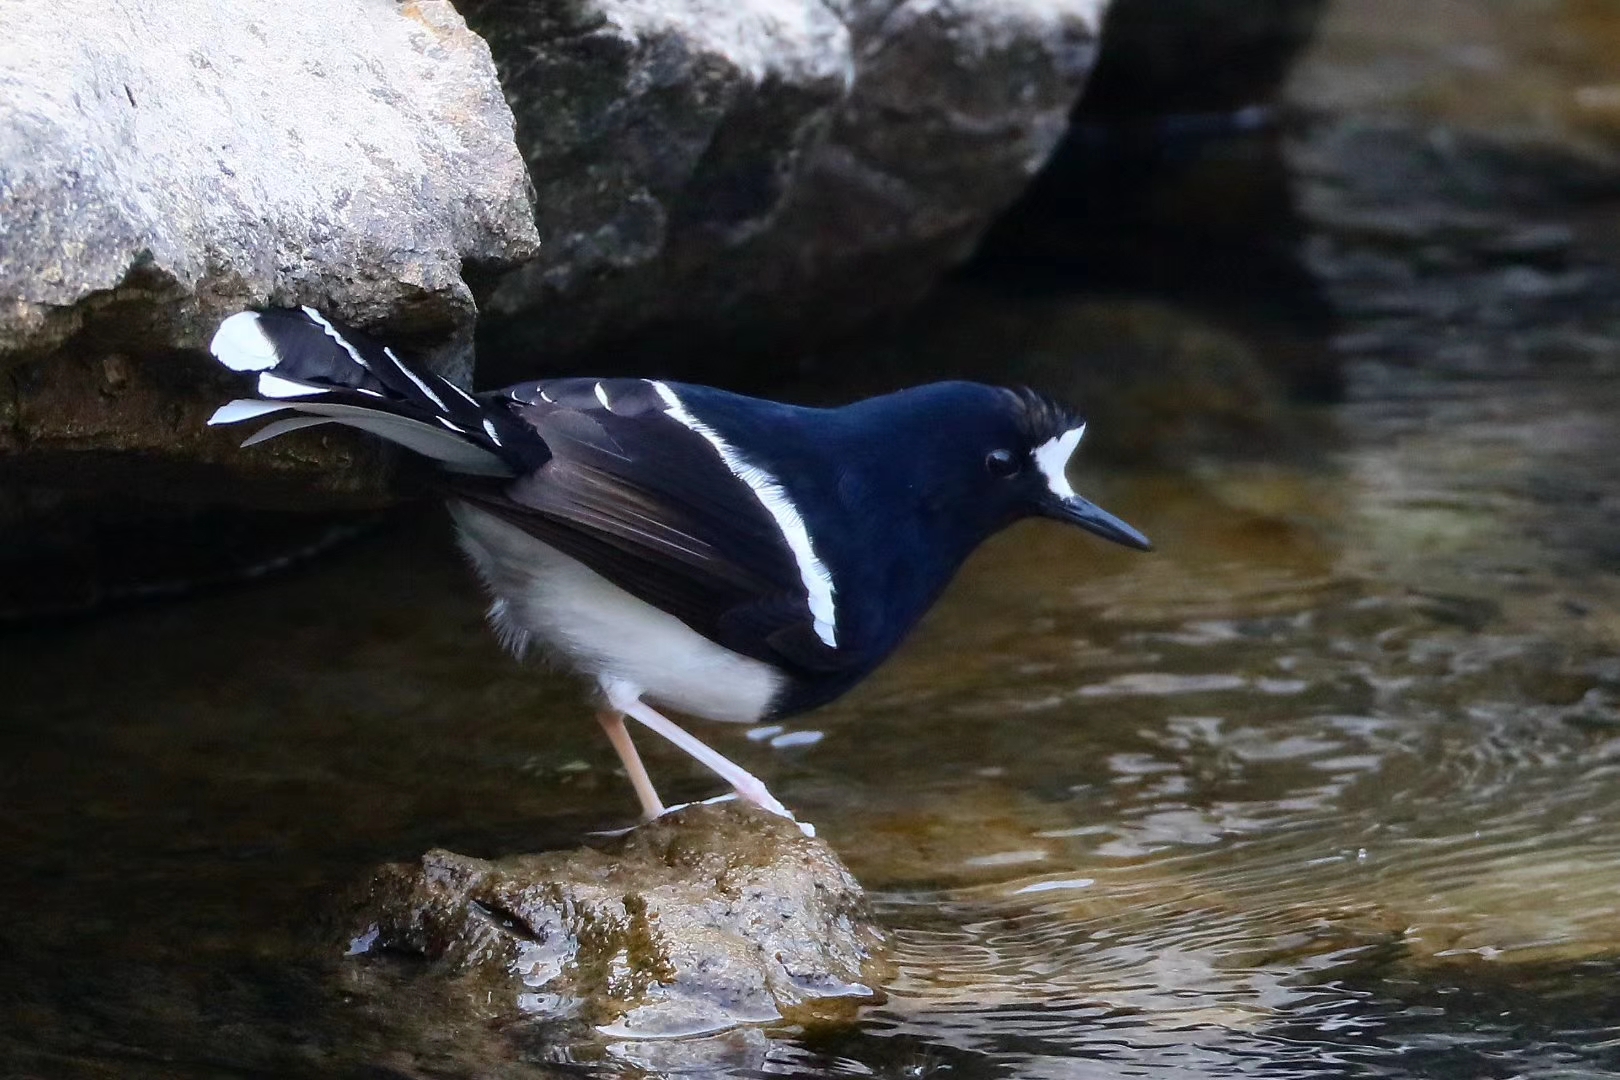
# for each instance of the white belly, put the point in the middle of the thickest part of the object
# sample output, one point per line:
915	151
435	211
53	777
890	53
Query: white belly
604	632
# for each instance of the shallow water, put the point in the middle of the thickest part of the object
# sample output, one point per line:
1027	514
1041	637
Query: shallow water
1328	785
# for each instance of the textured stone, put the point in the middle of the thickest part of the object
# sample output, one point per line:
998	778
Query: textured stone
189	158
711	917
767	169
165	164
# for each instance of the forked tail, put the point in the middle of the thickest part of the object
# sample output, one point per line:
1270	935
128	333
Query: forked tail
313	371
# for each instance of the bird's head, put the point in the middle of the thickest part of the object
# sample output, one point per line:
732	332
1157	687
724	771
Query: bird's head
1036	466
997	456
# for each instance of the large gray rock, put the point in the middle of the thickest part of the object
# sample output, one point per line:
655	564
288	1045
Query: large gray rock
773	168
165	164
179	160
765	168
711	917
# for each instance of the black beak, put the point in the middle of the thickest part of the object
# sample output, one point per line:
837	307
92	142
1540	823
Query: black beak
1094	519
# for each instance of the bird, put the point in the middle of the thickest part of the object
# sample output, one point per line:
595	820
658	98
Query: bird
683	547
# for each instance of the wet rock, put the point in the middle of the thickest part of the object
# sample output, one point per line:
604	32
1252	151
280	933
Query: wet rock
768	169
164	166
711	917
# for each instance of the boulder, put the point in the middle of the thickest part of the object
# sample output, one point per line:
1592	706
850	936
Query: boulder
163	165
766	170
758	172
711	917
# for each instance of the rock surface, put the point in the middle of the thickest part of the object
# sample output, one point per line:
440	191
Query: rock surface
171	163
711	917
164	165
768	169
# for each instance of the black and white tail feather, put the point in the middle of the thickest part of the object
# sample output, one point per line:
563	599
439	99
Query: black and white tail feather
315	371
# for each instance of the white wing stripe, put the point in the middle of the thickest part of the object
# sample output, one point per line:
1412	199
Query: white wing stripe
411	375
331	332
459	392
818	582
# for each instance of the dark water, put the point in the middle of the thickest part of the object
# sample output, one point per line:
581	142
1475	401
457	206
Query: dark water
1328	786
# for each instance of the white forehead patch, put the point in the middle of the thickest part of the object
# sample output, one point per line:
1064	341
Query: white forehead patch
1052	458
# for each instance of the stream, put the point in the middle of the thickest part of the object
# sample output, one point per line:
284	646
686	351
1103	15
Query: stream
1329	785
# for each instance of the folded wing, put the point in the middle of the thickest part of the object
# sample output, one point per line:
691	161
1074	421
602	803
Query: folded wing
652	505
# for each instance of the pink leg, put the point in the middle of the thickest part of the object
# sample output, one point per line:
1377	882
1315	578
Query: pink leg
748	785
612	722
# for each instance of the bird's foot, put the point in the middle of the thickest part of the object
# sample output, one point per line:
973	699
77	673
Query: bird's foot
779	810
771	806
758	794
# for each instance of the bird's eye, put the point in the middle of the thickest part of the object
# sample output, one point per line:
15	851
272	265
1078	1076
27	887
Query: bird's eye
1001	463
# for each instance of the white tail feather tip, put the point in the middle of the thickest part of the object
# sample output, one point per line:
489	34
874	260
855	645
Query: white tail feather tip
274	386
234	412
241	345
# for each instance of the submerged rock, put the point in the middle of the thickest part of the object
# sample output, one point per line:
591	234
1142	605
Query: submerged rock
710	917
